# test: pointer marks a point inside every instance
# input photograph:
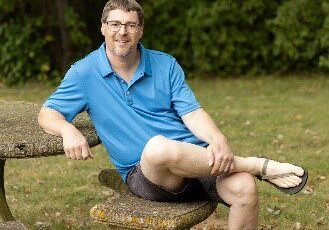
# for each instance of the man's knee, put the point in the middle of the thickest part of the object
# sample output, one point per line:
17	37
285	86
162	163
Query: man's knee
160	150
244	190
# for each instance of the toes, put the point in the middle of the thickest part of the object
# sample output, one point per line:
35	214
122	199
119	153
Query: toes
299	171
290	184
284	184
296	170
287	182
293	180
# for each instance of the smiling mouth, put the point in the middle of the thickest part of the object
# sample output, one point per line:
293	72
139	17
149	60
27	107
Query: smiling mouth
122	41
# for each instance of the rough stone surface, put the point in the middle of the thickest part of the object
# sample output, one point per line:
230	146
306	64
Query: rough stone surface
133	212
128	211
12	225
112	179
21	136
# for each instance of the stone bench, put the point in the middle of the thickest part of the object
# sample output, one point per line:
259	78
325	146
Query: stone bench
127	211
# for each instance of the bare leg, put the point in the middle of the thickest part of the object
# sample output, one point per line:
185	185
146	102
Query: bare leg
239	190
173	161
166	162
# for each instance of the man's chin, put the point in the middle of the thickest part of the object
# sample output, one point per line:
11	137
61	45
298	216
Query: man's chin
122	52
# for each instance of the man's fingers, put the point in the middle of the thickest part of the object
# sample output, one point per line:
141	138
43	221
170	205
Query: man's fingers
91	155
78	152
210	156
232	167
223	165
74	143
85	153
215	169
227	169
72	154
67	153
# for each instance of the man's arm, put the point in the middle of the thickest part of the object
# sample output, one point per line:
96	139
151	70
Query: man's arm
203	127
74	143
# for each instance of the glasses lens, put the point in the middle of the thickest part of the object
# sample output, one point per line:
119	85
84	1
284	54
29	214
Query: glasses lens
116	26
131	29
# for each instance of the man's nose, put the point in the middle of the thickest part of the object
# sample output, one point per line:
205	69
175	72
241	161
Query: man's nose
123	29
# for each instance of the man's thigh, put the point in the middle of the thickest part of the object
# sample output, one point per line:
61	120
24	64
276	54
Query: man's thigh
168	162
157	155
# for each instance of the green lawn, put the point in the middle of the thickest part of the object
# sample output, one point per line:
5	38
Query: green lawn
284	118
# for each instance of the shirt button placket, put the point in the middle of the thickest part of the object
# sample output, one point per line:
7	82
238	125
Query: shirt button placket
129	98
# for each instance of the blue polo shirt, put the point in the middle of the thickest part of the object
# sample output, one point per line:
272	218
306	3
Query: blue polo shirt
127	114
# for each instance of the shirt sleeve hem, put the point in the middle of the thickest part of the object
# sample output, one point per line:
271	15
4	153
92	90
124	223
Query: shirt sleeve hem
56	108
189	109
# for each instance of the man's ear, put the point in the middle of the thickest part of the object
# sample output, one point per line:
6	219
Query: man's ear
141	32
103	29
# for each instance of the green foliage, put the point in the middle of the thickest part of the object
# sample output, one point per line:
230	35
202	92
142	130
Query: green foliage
218	37
21	51
29	41
324	39
230	37
76	29
167	29
301	35
221	37
241	37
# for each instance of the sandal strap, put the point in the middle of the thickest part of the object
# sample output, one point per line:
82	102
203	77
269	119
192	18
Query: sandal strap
265	166
270	177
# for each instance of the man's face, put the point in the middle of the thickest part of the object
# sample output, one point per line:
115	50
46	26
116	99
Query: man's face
123	42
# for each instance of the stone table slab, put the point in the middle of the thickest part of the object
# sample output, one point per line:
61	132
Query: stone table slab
21	137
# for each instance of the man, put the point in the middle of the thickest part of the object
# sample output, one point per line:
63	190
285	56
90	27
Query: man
165	146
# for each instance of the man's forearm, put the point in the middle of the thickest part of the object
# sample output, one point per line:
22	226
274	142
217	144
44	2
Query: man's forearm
75	145
52	121
203	127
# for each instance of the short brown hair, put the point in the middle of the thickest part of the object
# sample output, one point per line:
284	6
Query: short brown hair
124	5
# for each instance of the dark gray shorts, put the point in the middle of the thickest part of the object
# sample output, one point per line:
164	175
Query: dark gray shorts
203	188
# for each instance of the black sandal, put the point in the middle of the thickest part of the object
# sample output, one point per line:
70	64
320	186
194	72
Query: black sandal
290	191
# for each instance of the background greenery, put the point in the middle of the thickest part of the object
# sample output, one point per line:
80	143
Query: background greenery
284	118
40	39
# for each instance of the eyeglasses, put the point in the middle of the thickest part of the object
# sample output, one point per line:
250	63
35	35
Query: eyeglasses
115	26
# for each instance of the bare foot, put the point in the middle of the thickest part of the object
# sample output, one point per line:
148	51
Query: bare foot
284	175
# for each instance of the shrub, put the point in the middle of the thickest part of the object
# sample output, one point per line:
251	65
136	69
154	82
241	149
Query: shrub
28	48
221	37
301	36
218	37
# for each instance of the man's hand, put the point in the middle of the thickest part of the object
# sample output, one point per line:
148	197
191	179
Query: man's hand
75	144
220	157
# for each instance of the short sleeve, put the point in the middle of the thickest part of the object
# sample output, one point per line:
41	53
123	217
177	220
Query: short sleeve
183	99
69	99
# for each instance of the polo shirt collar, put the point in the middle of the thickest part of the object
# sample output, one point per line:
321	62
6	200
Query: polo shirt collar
145	60
106	68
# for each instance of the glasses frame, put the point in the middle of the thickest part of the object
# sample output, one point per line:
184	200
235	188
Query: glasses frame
125	26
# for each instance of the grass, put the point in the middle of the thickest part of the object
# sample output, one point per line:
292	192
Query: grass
284	118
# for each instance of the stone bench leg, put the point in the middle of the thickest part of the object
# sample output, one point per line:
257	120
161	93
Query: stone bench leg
5	214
